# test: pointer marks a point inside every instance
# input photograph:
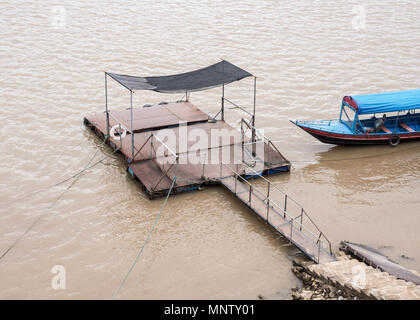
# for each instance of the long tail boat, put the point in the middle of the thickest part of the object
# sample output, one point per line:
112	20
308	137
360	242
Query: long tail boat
381	118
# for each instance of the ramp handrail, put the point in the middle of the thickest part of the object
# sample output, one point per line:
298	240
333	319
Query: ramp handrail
295	222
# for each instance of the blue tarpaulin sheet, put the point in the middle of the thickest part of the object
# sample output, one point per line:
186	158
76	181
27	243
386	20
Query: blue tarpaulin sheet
388	102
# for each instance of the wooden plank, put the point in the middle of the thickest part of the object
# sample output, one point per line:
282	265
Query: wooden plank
156	116
149	174
385	129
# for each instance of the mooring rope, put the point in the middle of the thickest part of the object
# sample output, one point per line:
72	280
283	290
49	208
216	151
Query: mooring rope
146	241
76	176
33	193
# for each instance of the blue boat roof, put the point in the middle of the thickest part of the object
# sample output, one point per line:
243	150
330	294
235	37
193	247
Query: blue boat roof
388	101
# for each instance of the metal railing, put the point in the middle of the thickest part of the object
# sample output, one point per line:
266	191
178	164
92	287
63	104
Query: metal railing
160	160
301	222
235	106
262	137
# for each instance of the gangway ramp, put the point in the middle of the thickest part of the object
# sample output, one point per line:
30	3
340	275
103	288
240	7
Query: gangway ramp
295	229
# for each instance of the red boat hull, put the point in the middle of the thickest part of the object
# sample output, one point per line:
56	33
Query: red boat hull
358	139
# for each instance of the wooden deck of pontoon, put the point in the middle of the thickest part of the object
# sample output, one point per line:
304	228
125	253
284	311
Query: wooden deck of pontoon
150	171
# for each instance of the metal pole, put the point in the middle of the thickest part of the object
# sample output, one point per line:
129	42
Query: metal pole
301	219
176	167
285	204
131	120
106	106
242	140
204	163
319	250
255	99
235	175
253	119
151	146
223	102
119	125
268	199
223	91
291	230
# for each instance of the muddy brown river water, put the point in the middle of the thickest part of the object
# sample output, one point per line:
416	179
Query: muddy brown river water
307	55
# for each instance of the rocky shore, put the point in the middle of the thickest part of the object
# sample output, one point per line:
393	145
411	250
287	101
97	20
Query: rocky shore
314	288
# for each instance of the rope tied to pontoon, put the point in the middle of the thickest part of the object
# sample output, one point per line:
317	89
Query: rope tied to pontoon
147	239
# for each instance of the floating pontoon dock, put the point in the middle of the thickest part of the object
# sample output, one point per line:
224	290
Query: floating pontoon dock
155	172
156	142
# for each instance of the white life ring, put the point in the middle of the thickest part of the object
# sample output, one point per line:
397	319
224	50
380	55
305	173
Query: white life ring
121	134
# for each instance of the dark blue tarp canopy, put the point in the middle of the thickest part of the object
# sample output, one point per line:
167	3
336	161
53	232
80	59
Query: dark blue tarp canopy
388	102
215	75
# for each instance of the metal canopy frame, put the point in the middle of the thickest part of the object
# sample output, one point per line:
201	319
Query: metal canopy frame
222	111
131	114
235	106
